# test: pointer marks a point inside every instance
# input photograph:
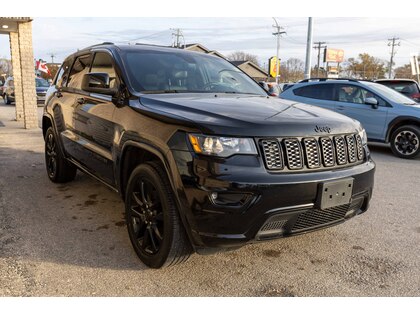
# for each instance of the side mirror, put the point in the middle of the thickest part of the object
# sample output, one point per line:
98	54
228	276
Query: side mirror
372	102
97	82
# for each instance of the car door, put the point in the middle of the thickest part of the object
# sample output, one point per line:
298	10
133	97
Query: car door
350	101
71	91
93	121
319	94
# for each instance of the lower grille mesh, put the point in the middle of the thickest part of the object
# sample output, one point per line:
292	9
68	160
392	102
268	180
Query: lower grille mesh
315	217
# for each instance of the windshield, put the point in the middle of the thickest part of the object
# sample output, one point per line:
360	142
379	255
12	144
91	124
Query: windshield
178	71
41	83
405	87
390	94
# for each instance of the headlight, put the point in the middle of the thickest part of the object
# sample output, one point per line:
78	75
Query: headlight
363	135
222	146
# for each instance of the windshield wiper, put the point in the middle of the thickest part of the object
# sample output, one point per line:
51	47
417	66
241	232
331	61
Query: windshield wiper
234	92
161	91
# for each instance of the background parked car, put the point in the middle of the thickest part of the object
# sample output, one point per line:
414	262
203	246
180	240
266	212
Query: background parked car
285	86
8	91
272	88
409	88
387	115
41	87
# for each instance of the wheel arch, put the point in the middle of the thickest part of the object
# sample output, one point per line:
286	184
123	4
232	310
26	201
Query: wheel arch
47	122
135	152
400	121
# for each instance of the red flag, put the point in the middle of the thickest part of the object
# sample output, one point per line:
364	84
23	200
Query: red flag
42	66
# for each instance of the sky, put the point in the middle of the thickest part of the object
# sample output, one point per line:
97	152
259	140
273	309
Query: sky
64	35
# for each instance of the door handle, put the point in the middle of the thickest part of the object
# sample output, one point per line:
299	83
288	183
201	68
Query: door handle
341	108
80	100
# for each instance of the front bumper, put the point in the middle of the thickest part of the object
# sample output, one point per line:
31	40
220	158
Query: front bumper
264	206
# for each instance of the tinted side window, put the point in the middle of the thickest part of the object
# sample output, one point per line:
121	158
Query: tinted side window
103	63
317	91
349	93
80	67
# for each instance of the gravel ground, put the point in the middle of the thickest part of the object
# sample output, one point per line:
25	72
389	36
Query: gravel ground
71	240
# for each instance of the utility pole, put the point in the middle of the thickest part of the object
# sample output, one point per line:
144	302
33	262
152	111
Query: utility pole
278	34
393	44
52	57
177	34
319	47
308	60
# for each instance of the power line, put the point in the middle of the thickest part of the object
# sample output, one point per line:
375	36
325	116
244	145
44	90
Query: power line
392	44
147	36
411	43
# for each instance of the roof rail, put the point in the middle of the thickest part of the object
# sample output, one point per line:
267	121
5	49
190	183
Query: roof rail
325	79
104	43
155	45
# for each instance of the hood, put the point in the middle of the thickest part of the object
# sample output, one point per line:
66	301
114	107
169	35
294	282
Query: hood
245	115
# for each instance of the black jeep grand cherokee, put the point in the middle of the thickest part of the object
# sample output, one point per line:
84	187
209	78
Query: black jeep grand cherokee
203	158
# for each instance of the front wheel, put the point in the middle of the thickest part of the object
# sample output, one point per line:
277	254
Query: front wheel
59	170
405	142
154	226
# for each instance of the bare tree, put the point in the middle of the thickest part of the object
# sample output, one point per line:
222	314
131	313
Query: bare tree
243	56
404	72
292	70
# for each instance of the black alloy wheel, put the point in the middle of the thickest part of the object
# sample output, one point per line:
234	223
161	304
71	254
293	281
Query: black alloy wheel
147	216
405	142
59	170
154	226
51	155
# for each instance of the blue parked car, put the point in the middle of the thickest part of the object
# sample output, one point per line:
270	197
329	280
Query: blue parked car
387	116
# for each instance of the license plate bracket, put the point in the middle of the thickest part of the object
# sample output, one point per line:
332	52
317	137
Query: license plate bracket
335	193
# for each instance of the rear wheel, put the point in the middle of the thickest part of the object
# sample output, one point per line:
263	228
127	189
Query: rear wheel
153	222
59	170
405	142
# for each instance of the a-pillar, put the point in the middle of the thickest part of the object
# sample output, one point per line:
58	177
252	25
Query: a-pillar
24	75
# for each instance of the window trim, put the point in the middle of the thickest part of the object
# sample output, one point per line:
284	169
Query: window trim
71	68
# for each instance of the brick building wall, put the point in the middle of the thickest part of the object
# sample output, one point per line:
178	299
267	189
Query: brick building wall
15	54
24	75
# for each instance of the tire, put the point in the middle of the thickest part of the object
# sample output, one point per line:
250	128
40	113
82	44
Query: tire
405	142
7	100
154	226
59	170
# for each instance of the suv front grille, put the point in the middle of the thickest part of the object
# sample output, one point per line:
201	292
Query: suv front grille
312	152
293	154
272	154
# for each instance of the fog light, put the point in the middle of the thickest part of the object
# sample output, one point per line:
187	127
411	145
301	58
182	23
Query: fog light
214	195
228	199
